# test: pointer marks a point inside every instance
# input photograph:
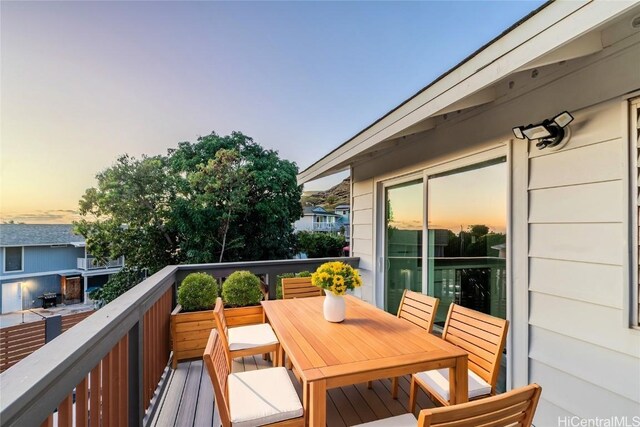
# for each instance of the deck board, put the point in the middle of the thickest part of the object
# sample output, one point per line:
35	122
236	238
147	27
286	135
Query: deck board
188	397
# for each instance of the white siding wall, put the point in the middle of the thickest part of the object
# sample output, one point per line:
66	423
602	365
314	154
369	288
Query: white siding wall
579	347
362	238
569	239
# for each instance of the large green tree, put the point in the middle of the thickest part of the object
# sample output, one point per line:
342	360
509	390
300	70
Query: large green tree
264	230
128	213
221	198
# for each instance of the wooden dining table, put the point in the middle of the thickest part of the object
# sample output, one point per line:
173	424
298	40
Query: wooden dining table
369	344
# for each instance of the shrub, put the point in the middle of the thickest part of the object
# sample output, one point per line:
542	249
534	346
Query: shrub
242	288
198	291
118	284
320	245
288	276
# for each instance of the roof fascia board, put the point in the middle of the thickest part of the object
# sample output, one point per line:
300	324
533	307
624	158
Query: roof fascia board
6	276
28	245
544	32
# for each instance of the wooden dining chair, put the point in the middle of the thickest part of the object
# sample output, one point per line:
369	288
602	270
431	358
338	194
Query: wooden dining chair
299	287
513	408
251	398
245	340
419	309
483	337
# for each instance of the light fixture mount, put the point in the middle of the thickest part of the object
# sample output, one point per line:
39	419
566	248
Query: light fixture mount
548	134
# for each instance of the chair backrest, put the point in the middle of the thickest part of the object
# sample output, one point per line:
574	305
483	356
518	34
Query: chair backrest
418	309
221	325
514	408
480	335
217	365
299	287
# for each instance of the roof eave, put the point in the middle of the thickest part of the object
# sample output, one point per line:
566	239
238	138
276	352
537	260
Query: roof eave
541	32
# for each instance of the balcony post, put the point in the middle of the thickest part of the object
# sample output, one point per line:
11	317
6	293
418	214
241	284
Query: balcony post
272	281
136	360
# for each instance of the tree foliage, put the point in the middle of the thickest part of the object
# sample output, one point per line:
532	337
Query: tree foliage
128	213
220	198
477	241
320	245
117	284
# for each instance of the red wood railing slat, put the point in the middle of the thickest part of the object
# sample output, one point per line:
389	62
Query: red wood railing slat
65	412
114	386
123	394
106	390
94	396
82	408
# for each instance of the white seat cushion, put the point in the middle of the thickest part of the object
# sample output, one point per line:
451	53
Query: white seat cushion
438	381
405	420
243	337
262	397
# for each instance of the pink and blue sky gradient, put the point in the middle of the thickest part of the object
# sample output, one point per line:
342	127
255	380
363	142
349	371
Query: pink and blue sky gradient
83	82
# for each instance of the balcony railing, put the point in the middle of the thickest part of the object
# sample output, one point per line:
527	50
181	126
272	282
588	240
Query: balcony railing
93	264
326	226
106	369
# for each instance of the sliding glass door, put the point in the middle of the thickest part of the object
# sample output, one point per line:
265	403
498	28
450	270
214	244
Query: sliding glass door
465	252
403	230
467	226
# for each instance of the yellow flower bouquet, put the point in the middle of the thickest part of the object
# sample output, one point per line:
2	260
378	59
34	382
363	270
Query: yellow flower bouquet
336	277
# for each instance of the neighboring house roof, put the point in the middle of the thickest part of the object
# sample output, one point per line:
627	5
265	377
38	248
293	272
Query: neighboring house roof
317	210
555	32
342	207
39	235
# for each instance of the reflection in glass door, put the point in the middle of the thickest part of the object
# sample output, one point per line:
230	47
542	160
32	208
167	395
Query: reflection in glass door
467	213
403	241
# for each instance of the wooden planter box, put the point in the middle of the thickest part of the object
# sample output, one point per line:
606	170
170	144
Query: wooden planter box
190	330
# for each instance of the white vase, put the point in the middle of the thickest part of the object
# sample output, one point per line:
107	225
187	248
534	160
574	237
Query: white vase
333	307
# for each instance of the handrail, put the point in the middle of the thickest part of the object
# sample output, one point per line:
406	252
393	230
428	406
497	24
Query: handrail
271	269
34	387
42	380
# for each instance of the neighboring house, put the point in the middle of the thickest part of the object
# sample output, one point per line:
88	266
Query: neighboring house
345	213
447	201
47	259
317	218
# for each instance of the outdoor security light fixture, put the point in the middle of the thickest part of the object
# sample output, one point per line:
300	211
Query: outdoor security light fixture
549	133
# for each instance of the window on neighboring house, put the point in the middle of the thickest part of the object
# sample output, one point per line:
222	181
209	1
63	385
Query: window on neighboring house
13	259
635	134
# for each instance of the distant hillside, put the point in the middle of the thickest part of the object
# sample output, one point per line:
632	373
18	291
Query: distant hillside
336	195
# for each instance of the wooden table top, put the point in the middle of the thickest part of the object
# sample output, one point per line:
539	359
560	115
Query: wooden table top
369	339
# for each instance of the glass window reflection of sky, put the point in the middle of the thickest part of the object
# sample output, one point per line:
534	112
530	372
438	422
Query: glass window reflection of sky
477	196
406	207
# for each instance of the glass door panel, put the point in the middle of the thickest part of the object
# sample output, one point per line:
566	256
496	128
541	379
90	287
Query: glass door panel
467	212
466	241
404	213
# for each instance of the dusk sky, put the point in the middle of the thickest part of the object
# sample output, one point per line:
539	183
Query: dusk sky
84	82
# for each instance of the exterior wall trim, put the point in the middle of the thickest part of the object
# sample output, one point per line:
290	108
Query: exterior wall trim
631	299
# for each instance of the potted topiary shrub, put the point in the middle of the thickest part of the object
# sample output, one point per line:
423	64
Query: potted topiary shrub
192	319
242	293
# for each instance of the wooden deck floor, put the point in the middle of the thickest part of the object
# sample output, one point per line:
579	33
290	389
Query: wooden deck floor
188	400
